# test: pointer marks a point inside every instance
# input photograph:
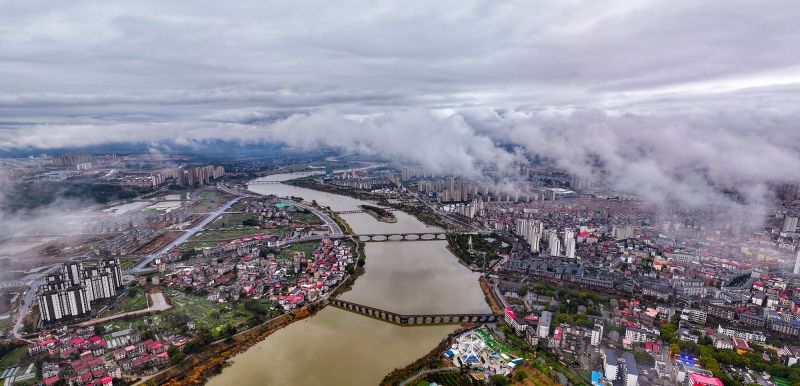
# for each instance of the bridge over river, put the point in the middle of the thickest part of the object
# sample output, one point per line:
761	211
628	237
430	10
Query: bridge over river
413	320
410	236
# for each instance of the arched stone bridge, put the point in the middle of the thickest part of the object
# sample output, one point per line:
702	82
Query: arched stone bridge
413	320
418	236
414	236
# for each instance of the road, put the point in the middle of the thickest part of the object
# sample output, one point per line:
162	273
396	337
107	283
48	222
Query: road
30	295
158	304
335	229
27	302
139	267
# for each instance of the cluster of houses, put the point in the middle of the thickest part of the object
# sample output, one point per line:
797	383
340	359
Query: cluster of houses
288	281
82	357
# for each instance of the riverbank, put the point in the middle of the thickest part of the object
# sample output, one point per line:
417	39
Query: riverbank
425	216
432	359
197	368
354	351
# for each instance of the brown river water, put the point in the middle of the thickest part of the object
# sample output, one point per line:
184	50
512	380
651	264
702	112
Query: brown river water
336	347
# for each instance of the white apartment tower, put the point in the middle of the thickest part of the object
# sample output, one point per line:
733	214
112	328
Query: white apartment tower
555	244
569	243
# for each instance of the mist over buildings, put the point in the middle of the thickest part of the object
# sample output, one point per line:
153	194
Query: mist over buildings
687	105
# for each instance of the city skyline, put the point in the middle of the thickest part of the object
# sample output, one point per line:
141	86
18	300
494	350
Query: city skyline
672	102
400	193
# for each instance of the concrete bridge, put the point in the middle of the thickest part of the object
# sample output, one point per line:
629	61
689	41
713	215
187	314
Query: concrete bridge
419	236
413	236
413	320
263	182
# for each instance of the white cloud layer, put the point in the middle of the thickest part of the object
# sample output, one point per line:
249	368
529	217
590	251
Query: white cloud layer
678	101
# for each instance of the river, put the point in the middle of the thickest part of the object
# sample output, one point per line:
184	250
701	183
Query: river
336	347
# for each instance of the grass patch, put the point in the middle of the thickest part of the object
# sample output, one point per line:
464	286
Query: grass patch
308	218
209	200
288	252
232	219
138	302
190	307
14	358
127	263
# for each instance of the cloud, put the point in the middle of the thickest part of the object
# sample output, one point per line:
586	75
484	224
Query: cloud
679	102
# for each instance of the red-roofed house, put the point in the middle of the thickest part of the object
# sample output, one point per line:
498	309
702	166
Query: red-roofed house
702	380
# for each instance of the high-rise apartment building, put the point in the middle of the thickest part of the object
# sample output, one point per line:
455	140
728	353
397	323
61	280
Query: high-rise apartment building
71	292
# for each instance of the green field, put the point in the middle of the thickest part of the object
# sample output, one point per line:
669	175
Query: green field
138	302
14	357
5	324
288	252
213	315
196	308
127	263
308	218
209	200
231	220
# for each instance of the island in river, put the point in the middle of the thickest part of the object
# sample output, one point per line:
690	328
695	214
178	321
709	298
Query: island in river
379	214
337	347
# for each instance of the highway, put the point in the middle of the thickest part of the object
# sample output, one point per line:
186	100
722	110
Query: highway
30	294
27	302
139	267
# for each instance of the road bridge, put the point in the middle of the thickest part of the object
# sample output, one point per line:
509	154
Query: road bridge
408	236
415	319
263	182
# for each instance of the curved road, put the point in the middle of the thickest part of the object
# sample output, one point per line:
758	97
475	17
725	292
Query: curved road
30	294
139	267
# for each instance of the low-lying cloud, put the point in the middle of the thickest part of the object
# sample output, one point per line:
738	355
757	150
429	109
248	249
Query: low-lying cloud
687	104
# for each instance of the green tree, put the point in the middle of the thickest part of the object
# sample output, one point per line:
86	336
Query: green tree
500	380
175	355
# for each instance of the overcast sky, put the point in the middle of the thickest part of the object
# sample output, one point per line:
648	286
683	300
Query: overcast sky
680	92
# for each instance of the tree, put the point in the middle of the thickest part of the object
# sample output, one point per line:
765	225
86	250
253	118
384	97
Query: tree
203	339
256	307
500	380
520	376
228	331
176	355
99	330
